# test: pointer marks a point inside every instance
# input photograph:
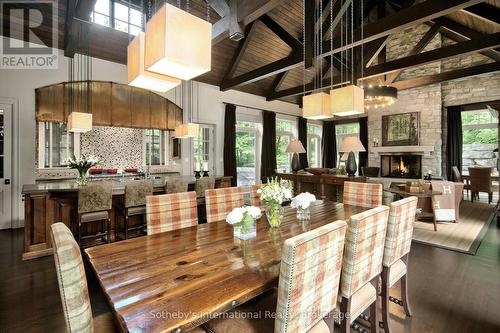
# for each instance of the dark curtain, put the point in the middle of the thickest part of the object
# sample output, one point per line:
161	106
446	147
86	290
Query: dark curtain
454	140
329	145
230	143
268	156
363	137
303	139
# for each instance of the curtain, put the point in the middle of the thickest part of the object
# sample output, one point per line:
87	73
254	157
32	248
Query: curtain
303	138
230	143
454	140
363	137
268	156
329	145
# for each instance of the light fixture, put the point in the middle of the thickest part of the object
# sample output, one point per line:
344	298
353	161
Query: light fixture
347	101
316	106
188	130
380	96
178	44
138	76
295	147
79	122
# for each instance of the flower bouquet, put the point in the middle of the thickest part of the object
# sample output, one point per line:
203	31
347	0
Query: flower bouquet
273	194
243	220
82	164
302	202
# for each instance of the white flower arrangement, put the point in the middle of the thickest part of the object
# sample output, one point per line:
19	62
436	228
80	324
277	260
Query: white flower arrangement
275	191
82	163
242	214
303	200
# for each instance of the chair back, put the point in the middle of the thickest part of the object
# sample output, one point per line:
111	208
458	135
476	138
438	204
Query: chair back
457	177
136	193
309	277
399	229
370	171
221	201
170	212
254	196
203	184
95	198
72	281
367	195
480	179
176	185
364	249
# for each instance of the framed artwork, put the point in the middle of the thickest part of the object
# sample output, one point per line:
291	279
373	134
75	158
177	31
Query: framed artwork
401	129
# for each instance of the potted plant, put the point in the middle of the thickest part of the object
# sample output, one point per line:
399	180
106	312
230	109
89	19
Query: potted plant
273	194
82	164
243	220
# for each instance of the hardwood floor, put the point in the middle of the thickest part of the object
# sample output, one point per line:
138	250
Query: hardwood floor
449	291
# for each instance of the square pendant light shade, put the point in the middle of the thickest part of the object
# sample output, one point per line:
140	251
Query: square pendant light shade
316	106
347	101
79	122
138	76
178	44
188	130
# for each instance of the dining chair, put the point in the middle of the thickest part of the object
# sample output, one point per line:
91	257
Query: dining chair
307	288
95	202
254	196
367	195
176	185
134	204
221	201
361	266
203	184
396	253
480	181
170	212
457	177
73	285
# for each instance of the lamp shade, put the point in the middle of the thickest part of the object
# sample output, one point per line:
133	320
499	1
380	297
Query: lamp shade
138	76
347	101
295	146
316	106
178	44
351	143
188	130
79	122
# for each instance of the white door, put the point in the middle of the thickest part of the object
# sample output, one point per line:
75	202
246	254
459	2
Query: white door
5	166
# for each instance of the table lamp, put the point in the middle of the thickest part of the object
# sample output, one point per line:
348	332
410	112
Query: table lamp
295	147
351	145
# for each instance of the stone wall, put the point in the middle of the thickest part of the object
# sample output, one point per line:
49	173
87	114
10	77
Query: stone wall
479	154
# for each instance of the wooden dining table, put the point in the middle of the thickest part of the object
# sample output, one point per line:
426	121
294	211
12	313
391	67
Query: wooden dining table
175	281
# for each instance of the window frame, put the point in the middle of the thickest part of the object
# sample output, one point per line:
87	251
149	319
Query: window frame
212	144
164	147
339	142
111	17
41	146
318	137
291	134
242	114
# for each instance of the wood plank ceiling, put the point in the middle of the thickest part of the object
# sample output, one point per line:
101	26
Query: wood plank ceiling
274	32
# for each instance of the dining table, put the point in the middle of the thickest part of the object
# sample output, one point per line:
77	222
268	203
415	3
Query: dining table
175	281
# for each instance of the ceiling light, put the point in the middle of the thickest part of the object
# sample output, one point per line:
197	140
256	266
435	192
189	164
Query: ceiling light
79	122
188	130
316	106
380	96
347	101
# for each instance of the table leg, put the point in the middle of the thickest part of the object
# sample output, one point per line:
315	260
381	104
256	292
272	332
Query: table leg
434	216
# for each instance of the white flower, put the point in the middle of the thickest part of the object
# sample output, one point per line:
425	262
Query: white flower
236	215
303	200
254	211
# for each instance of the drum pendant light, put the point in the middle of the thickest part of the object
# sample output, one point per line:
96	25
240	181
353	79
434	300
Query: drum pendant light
316	106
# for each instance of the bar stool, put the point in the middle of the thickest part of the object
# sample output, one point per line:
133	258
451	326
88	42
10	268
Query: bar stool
200	186
134	203
94	204
176	185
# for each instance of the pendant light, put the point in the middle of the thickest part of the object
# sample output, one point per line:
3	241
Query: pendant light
188	130
380	96
178	44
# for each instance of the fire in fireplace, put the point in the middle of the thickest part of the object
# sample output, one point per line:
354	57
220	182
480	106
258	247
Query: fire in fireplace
401	166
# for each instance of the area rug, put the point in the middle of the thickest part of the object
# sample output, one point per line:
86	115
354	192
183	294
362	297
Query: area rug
464	236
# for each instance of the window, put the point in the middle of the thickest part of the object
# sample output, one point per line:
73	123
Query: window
156	147
314	133
344	130
285	132
56	145
118	15
248	145
204	148
479	138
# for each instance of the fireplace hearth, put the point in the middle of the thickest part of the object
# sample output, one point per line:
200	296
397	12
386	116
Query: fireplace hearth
401	166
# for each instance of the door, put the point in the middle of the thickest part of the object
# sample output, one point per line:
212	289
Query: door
5	166
204	148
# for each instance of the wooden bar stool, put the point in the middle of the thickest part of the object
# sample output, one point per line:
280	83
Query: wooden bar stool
176	185
134	204
200	186
94	204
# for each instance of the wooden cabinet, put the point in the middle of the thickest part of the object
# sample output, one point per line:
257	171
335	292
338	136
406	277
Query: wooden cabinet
159	111
120	105
101	103
140	108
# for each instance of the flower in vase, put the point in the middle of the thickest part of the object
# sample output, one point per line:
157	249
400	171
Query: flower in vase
303	200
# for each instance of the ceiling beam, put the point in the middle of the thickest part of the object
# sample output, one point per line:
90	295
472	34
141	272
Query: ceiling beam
309	9
79	9
485	12
239	52
277	83
475	45
281	32
424	41
326	84
220	6
447	76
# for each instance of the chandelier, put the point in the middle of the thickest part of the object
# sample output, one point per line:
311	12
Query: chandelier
380	96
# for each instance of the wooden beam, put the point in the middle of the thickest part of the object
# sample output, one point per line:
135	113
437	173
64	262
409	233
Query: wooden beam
485	12
75	9
239	52
447	76
281	32
236	29
310	6
299	90
475	45
277	83
424	41
373	49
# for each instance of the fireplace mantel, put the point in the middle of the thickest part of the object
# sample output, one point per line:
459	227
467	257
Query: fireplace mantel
423	150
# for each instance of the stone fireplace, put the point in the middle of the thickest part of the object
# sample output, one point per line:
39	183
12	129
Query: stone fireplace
401	166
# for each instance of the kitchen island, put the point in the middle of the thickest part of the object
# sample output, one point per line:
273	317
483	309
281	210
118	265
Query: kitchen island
50	202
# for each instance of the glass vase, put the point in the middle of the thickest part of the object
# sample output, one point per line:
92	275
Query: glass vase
82	179
274	214
245	230
303	214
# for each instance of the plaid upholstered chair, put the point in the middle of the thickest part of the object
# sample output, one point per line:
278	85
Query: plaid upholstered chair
134	204
170	212
307	289
176	185
254	196
73	285
396	251
221	201
362	194
362	265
